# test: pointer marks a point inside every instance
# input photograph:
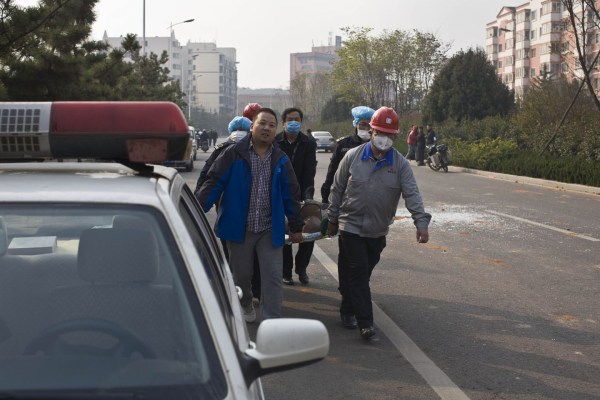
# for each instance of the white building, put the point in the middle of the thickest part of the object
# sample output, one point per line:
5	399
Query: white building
207	73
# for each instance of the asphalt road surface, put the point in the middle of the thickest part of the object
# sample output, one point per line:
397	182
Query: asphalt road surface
502	303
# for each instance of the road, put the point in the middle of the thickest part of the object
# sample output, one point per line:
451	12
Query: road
502	303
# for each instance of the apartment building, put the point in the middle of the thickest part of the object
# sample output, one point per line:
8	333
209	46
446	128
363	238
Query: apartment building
320	58
535	41
207	73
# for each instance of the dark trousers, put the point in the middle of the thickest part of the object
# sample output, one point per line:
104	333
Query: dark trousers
303	255
356	260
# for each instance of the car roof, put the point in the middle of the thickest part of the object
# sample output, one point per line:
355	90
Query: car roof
321	133
80	182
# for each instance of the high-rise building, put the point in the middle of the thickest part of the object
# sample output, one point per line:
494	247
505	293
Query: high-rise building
535	41
207	73
320	58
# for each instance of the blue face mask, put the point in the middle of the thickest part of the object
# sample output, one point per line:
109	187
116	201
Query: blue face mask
292	127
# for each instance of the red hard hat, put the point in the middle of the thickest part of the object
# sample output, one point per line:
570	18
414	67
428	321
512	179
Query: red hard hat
250	110
385	120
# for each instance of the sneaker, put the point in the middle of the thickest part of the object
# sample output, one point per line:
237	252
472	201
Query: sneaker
249	313
367	333
288	281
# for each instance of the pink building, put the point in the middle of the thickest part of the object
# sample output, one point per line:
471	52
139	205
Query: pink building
535	40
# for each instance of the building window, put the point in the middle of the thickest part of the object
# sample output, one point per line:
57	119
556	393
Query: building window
533	15
532	72
532	52
532	34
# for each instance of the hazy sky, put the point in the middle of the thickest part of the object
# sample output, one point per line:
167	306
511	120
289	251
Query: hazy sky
265	32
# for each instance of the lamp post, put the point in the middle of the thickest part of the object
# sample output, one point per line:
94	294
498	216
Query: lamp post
170	28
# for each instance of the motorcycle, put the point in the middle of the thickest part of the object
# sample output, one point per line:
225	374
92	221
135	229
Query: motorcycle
439	157
204	145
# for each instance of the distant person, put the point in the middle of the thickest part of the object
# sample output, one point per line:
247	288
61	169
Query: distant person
431	138
420	146
303	154
361	118
362	211
411	140
256	187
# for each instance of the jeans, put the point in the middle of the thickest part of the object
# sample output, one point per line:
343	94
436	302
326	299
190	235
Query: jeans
356	260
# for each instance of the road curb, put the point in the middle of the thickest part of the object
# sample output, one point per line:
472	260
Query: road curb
531	181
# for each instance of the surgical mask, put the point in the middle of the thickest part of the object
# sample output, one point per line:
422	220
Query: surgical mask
363	135
292	127
382	143
237	135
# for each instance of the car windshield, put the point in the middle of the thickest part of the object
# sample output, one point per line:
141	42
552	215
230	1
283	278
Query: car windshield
327	134
96	299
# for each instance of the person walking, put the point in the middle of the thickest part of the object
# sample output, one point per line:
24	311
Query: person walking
361	118
364	197
420	146
431	138
302	152
411	140
256	187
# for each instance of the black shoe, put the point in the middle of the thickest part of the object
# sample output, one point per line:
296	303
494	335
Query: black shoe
367	333
349	321
288	281
303	278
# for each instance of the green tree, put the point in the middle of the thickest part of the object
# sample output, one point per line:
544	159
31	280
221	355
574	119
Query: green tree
336	110
467	87
392	69
46	56
310	93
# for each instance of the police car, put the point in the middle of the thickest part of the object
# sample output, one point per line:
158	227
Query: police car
112	284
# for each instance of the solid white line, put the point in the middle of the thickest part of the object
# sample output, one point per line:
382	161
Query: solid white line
434	376
552	228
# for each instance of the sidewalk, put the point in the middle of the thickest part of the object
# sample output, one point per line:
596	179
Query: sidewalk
531	181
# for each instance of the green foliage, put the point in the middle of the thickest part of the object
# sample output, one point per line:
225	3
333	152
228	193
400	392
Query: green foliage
47	56
393	69
467	88
336	110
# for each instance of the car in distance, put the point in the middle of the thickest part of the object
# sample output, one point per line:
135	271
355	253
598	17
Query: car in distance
112	282
324	139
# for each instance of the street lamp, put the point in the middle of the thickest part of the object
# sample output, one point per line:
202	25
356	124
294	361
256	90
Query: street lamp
170	27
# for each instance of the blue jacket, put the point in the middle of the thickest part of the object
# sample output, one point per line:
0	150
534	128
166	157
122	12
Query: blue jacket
228	182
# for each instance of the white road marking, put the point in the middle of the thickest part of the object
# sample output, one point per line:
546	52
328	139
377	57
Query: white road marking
434	376
552	228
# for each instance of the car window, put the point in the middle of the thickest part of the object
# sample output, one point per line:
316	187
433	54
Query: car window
97	299
207	248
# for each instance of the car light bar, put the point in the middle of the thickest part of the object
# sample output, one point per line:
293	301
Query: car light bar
134	132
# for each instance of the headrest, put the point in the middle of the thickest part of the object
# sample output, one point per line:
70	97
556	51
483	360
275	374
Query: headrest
115	255
3	237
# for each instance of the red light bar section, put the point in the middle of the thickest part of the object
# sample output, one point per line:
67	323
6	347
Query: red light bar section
123	131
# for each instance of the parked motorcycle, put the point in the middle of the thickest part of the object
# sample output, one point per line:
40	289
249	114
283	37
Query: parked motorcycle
439	157
204	145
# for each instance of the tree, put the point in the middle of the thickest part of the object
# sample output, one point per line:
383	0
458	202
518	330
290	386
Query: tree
310	93
393	69
46	56
336	110
581	26
467	87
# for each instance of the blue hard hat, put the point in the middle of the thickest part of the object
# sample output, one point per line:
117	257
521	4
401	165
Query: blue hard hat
239	124
361	112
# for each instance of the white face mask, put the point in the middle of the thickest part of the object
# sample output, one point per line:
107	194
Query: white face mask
382	143
363	135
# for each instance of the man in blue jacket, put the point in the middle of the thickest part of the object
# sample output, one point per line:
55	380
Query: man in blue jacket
257	189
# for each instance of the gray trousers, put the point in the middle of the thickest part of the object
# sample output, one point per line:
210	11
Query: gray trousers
270	260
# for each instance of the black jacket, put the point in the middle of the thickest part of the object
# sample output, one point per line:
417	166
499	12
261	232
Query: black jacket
342	146
303	154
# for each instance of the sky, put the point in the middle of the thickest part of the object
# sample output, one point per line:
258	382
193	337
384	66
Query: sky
265	32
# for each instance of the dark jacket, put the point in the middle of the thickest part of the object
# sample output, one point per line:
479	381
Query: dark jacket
229	180
341	147
303	153
209	162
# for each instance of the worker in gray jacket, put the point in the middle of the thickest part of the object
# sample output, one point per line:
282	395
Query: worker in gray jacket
363	201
